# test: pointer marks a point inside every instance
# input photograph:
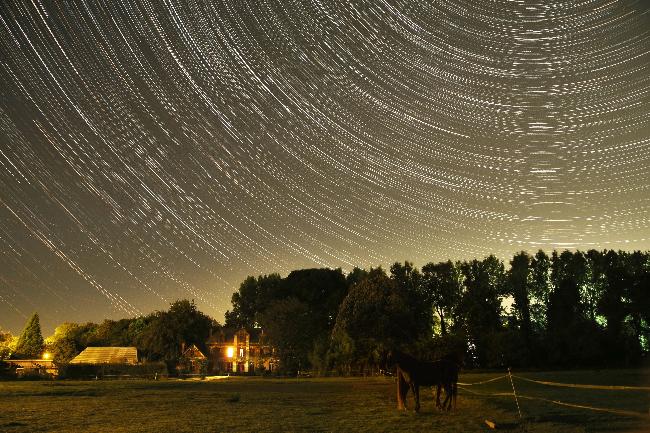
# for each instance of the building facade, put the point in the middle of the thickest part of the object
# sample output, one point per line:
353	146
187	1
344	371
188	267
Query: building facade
240	352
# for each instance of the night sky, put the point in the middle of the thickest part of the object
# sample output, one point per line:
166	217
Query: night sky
157	150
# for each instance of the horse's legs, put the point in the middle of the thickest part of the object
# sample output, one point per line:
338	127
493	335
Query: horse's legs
448	396
455	393
438	388
435	392
402	389
416	394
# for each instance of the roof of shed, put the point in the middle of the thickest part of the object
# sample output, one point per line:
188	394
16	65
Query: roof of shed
107	355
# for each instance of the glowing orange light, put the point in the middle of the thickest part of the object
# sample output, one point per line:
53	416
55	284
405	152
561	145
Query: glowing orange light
230	352
46	355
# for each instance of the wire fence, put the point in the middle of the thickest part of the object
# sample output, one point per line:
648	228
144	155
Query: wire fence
514	394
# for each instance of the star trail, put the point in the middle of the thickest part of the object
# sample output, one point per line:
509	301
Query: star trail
151	151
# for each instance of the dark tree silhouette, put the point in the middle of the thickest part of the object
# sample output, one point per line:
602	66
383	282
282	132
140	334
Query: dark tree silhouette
408	281
519	282
481	303
290	329
253	296
164	335
374	314
540	289
639	297
30	343
356	275
441	286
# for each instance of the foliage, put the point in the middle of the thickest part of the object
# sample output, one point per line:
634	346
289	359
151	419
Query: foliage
441	287
7	344
480	307
297	312
69	339
572	309
253	296
30	344
518	286
94	371
161	339
288	324
375	314
540	266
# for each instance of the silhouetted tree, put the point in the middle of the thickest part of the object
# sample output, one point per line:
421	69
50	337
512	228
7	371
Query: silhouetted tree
111	333
441	285
540	289
30	343
613	303
374	314
519	281
639	298
290	328
408	280
572	339
356	275
253	296
322	291
168	330
568	274
619	279
480	306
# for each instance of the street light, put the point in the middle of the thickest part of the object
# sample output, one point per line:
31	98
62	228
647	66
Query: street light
230	352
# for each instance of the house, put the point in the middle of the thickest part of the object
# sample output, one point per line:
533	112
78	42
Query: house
192	360
107	355
240	352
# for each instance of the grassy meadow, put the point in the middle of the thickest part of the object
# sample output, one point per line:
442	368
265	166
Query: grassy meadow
315	405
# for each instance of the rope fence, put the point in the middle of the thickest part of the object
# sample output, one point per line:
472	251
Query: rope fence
578	385
516	396
484	381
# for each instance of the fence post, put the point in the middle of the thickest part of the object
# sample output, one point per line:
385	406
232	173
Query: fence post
514	392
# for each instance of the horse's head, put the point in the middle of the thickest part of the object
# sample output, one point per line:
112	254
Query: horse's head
385	359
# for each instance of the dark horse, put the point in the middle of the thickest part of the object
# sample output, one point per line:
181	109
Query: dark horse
412	373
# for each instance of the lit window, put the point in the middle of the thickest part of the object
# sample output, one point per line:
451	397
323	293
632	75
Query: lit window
241	352
230	352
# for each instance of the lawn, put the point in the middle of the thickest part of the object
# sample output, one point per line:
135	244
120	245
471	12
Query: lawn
328	404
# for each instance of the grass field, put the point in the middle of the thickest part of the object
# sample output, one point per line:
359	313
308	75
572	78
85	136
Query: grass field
329	404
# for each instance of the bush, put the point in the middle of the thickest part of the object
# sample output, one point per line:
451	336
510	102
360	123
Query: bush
102	371
7	371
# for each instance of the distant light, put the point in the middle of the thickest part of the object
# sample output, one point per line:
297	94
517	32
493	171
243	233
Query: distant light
230	352
46	355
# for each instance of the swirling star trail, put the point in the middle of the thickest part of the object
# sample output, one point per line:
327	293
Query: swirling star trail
151	151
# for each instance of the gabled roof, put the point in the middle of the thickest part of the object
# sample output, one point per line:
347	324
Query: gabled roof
193	352
107	355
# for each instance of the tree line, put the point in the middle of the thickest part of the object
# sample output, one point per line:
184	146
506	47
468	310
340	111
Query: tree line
567	310
158	336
